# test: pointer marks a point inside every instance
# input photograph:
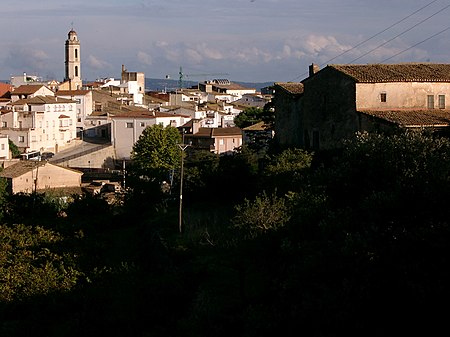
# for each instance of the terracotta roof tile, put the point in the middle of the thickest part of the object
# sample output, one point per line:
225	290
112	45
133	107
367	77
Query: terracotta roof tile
42	100
413	118
294	88
20	168
27	89
403	72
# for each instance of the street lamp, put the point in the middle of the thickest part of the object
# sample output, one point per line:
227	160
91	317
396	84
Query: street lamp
180	213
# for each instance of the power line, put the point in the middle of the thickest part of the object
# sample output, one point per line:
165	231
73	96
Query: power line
428	38
400	34
379	33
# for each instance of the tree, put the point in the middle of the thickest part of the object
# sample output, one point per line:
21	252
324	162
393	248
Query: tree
248	117
286	171
156	152
265	213
14	149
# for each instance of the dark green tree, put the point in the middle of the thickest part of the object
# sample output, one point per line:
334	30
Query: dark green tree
14	149
156	153
249	117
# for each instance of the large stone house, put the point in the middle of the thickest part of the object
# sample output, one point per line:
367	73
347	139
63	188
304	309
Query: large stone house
334	103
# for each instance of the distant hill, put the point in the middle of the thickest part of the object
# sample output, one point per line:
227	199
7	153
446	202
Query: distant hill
155	84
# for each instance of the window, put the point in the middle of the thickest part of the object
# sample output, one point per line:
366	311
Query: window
4	124
430	102
221	141
441	101
383	97
76	53
79	120
129	125
142	124
76	71
3	147
21	139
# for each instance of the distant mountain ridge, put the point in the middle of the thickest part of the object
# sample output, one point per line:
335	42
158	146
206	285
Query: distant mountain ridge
154	84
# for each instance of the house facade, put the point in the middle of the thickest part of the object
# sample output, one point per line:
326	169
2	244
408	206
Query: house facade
84	104
4	147
217	140
126	128
340	100
27	176
40	123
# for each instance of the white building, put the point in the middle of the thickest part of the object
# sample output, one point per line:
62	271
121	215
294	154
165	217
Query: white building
126	128
4	147
41	123
84	104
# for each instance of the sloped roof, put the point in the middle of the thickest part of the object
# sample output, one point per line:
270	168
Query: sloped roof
20	168
144	113
72	92
218	132
294	88
260	126
403	72
412	118
27	89
42	100
23	166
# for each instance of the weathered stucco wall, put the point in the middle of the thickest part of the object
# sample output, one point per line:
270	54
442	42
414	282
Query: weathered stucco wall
48	176
407	95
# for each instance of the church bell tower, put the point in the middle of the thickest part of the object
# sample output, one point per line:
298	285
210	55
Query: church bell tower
73	61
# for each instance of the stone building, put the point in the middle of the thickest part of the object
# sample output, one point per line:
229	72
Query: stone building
340	100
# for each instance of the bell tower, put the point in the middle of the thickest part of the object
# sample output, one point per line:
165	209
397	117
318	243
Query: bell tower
73	61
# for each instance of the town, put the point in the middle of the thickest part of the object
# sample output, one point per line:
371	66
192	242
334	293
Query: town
316	207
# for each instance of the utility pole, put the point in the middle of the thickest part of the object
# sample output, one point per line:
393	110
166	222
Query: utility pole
180	212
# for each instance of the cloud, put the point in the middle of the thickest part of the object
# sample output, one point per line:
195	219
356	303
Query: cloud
144	58
96	63
22	58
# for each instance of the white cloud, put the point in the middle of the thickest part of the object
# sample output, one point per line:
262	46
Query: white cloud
144	58
96	63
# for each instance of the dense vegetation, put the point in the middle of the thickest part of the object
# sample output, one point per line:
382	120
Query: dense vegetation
354	242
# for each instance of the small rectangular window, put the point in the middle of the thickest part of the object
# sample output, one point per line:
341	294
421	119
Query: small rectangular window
129	125
21	139
4	124
441	101
383	97
142	124
430	102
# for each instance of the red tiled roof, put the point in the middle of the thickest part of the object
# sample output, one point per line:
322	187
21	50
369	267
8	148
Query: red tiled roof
403	72
218	132
294	88
413	118
42	100
71	92
27	89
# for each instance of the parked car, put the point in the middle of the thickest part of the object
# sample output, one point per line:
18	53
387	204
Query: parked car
46	155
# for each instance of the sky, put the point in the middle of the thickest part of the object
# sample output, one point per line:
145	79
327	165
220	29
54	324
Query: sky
242	40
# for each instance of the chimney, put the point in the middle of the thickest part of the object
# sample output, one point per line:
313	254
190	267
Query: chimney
313	68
